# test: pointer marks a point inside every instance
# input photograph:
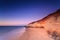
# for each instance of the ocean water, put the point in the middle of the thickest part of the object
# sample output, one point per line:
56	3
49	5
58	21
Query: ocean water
7	29
11	32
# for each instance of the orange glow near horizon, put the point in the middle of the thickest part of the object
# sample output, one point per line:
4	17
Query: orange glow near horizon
8	23
15	22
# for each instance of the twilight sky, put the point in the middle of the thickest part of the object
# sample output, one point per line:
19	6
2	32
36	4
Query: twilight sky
15	12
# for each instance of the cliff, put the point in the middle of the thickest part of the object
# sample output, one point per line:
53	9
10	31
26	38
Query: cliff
51	18
50	23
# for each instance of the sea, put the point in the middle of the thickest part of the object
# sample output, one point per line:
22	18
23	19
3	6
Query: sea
10	29
11	32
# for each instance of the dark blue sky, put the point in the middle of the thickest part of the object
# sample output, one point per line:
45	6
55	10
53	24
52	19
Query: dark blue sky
15	12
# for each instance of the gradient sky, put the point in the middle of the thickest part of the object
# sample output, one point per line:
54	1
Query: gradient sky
15	12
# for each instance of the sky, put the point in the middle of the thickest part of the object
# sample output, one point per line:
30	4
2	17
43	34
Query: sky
22	12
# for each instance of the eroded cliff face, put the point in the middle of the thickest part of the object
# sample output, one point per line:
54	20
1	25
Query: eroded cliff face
53	18
50	23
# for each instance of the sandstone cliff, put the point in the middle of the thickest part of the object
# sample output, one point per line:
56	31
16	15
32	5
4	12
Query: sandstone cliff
50	23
